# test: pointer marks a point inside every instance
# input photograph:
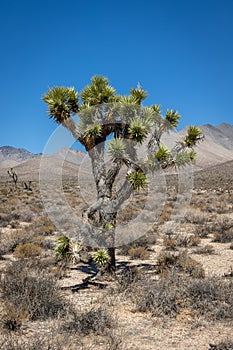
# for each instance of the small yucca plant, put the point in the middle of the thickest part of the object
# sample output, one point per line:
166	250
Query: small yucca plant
67	249
101	257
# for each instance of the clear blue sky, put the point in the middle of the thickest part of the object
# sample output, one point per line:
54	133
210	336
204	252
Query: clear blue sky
181	51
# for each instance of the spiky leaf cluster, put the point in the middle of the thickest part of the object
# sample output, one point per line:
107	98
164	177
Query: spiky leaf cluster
138	130
162	154
62	250
116	148
138	94
194	134
101	257
98	92
172	117
62	103
93	131
138	180
185	157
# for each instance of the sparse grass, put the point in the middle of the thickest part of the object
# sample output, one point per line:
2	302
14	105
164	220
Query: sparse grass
138	253
97	321
31	290
207	249
172	292
181	262
222	345
27	250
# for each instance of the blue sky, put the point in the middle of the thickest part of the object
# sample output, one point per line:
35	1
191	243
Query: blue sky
181	51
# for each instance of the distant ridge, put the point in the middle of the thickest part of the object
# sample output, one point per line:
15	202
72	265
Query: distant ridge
11	156
216	148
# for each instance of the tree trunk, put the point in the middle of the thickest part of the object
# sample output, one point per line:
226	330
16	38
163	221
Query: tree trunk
111	266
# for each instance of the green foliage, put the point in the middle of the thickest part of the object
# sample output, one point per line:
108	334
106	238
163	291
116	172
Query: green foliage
67	249
138	180
98	92
101	257
62	102
185	157
94	131
116	148
162	154
108	226
138	130
138	94
172	117
62	250
194	134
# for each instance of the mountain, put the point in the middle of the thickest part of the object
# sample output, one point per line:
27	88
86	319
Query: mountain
70	155
216	148
222	134
11	156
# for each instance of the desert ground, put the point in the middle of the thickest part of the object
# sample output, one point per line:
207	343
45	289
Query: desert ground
173	287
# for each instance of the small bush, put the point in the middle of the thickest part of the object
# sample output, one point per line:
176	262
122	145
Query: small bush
223	237
222	345
188	241
97	321
172	292
159	297
31	289
128	277
181	262
201	231
207	249
211	297
27	250
138	253
12	318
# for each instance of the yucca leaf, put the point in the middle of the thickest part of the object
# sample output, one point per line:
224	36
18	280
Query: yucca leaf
116	148
162	154
138	180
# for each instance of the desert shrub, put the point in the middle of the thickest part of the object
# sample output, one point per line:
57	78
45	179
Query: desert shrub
97	321
170	243
207	249
223	231
187	241
127	278
51	341
211	296
172	292
32	290
138	253
222	345
11	239
223	236
202	231
144	242
159	297
44	226
12	318
27	250
181	262
196	218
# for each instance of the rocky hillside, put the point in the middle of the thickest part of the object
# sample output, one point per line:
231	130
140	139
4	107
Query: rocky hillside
11	156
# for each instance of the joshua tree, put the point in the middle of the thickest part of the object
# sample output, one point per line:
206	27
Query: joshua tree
123	125
13	175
